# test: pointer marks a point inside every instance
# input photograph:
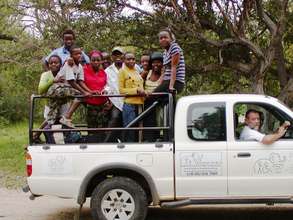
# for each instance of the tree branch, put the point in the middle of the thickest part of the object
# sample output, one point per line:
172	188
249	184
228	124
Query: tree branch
226	42
231	27
241	67
265	18
176	7
8	37
190	12
125	4
244	15
210	67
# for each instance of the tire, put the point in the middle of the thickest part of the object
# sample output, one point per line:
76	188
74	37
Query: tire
118	198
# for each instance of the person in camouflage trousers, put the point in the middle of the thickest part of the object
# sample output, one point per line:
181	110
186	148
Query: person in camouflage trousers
97	117
59	94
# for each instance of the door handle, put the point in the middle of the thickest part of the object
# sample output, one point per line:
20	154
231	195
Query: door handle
83	147
46	147
244	154
120	146
159	145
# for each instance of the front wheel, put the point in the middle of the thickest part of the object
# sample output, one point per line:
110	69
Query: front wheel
119	198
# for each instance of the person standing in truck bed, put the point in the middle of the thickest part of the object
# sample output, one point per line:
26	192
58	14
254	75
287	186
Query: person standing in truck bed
130	83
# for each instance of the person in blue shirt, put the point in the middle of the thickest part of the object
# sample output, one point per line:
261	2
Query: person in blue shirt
63	52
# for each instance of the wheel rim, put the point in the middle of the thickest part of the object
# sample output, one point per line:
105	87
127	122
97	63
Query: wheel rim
118	204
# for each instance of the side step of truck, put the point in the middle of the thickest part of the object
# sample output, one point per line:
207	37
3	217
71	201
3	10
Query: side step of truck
222	201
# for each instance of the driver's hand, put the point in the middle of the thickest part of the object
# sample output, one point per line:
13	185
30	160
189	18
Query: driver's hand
286	124
282	131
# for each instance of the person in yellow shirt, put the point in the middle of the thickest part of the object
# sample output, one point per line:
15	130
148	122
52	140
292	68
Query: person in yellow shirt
46	81
130	83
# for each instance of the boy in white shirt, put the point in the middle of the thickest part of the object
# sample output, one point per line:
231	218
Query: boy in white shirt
73	85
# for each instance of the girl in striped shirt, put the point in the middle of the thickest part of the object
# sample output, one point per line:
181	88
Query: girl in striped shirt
173	78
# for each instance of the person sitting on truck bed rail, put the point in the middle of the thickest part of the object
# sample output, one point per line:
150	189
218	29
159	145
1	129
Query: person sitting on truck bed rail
252	126
73	85
173	77
95	78
112	88
130	83
63	52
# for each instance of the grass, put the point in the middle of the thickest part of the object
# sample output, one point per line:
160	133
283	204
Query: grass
13	139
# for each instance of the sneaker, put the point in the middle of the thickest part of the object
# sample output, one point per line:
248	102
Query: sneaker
66	122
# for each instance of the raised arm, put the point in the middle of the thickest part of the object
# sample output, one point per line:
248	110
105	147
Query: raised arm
271	138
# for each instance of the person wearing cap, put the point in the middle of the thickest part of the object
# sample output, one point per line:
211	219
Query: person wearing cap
112	88
95	78
63	52
152	81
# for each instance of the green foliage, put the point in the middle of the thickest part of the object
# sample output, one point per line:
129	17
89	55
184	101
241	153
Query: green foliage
12	143
16	86
103	25
12	154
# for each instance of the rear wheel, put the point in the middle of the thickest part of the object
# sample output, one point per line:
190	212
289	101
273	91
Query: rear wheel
119	198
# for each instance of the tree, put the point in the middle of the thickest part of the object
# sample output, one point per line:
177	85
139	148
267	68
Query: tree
229	46
246	36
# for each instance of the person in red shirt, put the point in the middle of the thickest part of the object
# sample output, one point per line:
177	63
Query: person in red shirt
95	78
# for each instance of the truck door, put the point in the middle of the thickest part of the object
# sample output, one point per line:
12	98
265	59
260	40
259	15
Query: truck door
200	157
256	169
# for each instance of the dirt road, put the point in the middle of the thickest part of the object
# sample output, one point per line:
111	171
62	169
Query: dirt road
15	205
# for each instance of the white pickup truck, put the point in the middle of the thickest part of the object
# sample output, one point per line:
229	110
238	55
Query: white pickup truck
200	161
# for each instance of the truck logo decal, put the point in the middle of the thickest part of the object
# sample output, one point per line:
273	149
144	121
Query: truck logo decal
274	164
57	165
201	164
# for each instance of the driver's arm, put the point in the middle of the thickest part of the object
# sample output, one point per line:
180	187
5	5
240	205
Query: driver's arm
271	138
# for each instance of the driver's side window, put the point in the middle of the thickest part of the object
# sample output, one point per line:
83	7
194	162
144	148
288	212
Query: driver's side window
271	118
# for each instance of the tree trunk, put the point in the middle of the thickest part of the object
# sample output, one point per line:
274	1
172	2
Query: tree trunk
257	86
281	67
286	95
258	78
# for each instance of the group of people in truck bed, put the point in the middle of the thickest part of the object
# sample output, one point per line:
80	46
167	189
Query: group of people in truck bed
72	72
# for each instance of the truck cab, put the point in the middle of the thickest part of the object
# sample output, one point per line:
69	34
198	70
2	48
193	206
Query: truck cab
210	155
199	160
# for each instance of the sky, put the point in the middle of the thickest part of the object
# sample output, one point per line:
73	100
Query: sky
144	6
29	20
